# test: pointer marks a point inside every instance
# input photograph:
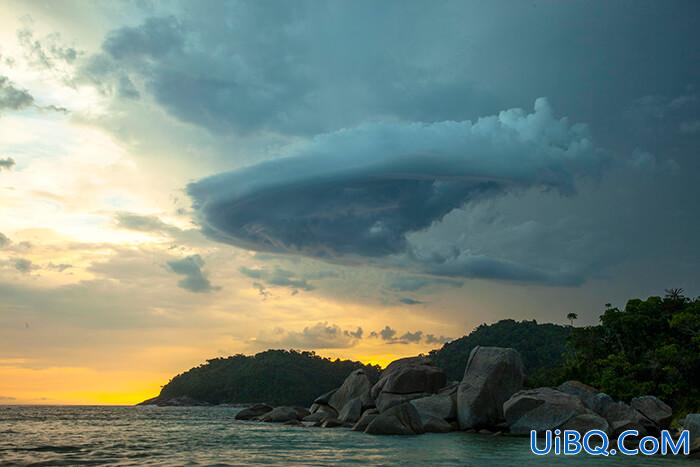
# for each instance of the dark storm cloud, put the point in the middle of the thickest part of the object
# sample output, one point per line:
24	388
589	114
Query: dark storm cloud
12	97
410	301
318	336
432	339
413	283
6	163
194	278
278	277
4	240
360	192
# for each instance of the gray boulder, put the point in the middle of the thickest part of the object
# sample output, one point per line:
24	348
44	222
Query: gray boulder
407	379
435	425
692	423
587	394
253	411
492	376
442	406
541	409
399	420
386	400
322	408
654	409
356	386
365	420
586	422
281	415
324	398
621	417
332	423
351	412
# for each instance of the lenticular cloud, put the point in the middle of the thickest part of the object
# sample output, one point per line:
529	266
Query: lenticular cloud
360	191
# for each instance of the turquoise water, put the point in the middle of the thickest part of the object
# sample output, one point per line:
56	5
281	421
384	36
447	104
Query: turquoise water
210	436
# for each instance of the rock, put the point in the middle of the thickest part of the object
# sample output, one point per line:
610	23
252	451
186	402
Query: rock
492	376
654	409
410	375
253	412
179	401
450	388
356	386
586	422
318	417
365	420
292	423
484	431
621	417
541	409
435	425
399	420
407	379
332	423
280	415
301	412
386	400
324	398
440	406
351	412
322	408
587	394
692	423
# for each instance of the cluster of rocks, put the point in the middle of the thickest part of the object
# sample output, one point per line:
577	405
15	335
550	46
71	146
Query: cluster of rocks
413	396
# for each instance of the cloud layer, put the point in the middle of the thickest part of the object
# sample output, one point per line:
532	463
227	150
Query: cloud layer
361	192
194	278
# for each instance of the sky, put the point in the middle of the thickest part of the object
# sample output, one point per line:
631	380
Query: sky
181	181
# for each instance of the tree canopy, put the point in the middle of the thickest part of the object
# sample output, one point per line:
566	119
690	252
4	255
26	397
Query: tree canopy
278	377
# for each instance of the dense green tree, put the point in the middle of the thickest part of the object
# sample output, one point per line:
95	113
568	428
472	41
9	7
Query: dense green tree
650	347
278	377
542	347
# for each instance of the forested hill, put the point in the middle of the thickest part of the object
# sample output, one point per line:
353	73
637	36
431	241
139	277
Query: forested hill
278	377
542	346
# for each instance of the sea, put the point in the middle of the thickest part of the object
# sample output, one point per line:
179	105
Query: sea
136	436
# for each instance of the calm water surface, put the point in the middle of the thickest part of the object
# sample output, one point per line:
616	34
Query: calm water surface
210	436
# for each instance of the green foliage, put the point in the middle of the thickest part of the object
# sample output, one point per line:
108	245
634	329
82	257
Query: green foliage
650	347
278	377
542	347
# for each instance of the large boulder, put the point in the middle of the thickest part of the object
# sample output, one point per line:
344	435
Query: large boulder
654	409
399	420
324	398
492	376
622	417
253	411
587	394
586	422
442	406
406	379
351	412
541	409
692	424
281	415
386	400
436	425
356	386
365	420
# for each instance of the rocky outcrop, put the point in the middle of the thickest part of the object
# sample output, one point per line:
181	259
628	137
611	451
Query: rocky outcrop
492	376
586	422
398	420
541	409
435	425
281	415
325	398
355	386
441	406
407	379
654	409
365	420
352	411
587	394
254	411
621	416
692	424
